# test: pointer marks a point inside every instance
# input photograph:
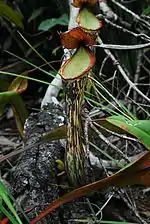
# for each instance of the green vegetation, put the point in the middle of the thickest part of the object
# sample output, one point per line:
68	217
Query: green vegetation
113	83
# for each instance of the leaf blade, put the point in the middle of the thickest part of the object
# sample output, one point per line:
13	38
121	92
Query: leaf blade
50	23
9	14
126	176
138	128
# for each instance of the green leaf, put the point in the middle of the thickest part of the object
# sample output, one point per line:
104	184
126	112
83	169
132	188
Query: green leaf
4	195
36	13
11	15
3	85
115	222
19	109
49	23
78	65
8	215
102	221
138	128
146	11
19	84
5	98
136	172
88	20
58	133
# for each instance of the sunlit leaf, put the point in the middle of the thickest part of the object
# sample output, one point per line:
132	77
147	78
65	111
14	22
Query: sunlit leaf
11	15
49	23
18	84
137	172
4	196
138	128
88	20
78	65
75	37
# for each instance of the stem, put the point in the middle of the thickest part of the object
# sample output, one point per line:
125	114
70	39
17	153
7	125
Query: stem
75	155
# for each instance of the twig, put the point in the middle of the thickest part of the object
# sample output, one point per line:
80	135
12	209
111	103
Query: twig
136	76
143	36
116	134
131	205
104	205
120	69
137	17
92	125
123	47
102	65
107	11
128	2
146	69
